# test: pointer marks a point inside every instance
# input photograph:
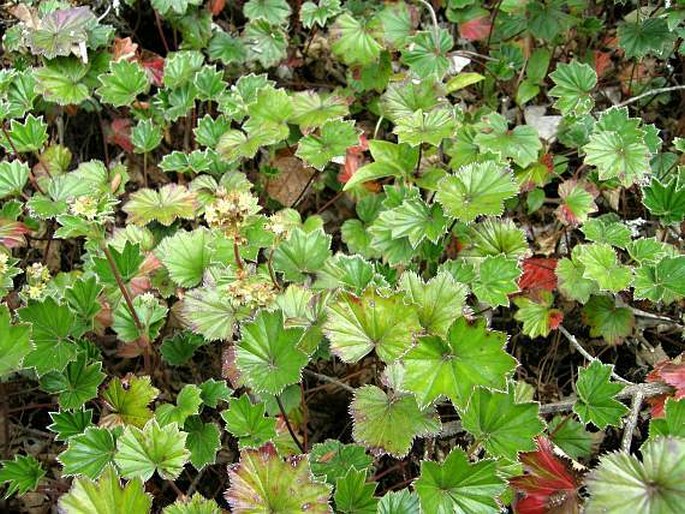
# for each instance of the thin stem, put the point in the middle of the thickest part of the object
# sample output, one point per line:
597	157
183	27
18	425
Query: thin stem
236	255
434	19
129	305
145	169
651	92
330	380
631	421
304	190
272	273
158	22
574	342
287	424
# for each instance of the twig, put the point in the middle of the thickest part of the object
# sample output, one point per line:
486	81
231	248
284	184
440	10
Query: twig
631	421
330	380
287	424
129	305
574	342
651	92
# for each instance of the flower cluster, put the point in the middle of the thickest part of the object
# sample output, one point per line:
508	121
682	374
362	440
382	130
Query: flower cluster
250	291
37	278
230	211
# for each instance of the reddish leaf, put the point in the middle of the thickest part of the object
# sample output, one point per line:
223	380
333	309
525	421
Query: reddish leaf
154	67
547	486
216	6
353	160
602	62
555	319
477	29
538	274
12	233
671	373
119	134
124	49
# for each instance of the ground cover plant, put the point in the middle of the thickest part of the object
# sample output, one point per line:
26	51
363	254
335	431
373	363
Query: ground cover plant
342	256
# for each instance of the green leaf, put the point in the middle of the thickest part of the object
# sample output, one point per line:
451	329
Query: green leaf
188	403
106	496
179	349
165	205
475	190
151	314
13	178
23	474
186	255
458	486
388	423
141	452
332	459
607	320
522	144
195	505
601	265
275	12
88	453
438	302
318	13
177	6
82	298
248	423
501	425
353	495
463	80
399	502
662	282
60	31
180	67
647	250
197	161
672	424
29	136
536	314
302	253
77	384
146	136
390	159
208	312
417	221
265	43
665	200
496	279
204	440
209	83
214	391
14	343
494	236
262	482
356	325
61	81
577	203
51	326
335	138
209	130
128	401
353	41
311	109
68	424
596	403
426	53
607	229
470	356
572	283
426	127
127	261
571	436
649	36
621	483
573	87
124	82
267	354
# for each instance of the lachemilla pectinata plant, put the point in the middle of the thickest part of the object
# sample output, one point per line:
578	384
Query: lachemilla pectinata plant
358	256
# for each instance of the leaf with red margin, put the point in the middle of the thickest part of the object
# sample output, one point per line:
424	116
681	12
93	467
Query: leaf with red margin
354	158
153	65
671	373
12	233
216	6
547	485
477	29
124	49
263	482
538	274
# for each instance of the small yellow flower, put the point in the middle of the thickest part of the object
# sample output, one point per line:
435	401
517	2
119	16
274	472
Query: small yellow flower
84	206
4	258
36	291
